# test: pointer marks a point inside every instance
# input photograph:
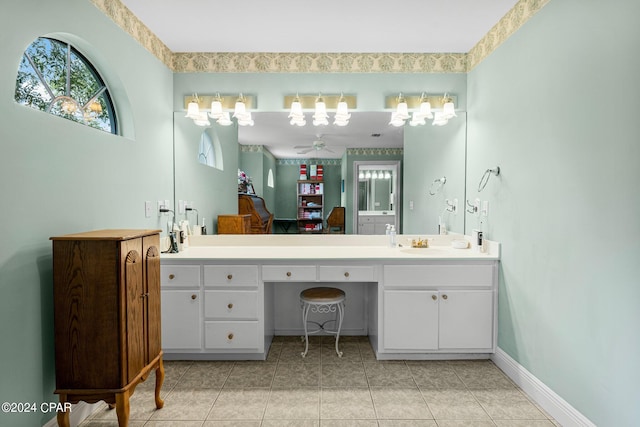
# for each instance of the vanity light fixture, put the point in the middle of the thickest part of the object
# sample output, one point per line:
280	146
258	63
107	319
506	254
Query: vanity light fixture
218	107
423	106
320	105
320	117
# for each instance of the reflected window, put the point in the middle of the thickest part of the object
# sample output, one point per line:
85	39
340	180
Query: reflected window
270	182
210	151
54	77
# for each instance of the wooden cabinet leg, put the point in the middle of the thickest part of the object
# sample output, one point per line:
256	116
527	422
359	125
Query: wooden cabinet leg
63	417
159	381
122	408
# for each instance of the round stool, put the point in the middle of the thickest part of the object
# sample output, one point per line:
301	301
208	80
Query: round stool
322	300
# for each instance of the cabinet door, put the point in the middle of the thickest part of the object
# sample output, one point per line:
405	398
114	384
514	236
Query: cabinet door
152	284
181	322
466	320
133	327
410	320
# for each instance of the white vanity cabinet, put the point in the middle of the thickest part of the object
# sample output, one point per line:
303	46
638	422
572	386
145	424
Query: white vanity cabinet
231	314
181	299
217	304
439	307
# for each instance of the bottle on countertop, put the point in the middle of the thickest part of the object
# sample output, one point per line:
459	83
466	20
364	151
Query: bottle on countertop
392	236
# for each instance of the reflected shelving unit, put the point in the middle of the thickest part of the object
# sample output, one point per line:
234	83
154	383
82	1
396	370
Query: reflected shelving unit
310	195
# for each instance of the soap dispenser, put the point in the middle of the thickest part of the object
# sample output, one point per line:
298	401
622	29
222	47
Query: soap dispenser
392	236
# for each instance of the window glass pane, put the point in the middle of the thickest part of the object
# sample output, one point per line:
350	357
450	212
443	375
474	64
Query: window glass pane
29	88
55	78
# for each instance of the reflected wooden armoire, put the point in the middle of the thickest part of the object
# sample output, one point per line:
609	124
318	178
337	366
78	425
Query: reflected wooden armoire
106	294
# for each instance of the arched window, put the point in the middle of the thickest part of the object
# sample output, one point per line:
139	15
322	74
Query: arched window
54	77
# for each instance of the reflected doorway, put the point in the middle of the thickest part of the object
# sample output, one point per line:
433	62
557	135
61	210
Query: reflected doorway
377	185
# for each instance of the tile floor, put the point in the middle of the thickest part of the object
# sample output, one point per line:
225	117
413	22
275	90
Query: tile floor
323	390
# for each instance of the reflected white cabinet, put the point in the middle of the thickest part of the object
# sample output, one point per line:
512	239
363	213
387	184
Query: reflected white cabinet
374	224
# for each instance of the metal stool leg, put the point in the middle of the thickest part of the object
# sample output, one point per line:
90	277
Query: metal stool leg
340	316
305	315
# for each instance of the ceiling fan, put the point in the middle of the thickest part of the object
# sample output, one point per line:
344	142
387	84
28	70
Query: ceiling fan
317	145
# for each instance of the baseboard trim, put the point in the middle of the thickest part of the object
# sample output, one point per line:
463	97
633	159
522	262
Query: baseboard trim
79	412
548	400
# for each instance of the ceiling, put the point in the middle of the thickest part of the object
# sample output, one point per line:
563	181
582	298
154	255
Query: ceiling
332	26
335	26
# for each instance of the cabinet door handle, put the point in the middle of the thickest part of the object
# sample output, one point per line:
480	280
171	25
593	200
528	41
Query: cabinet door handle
230	306
230	336
434	297
229	276
194	296
346	274
172	276
288	274
444	296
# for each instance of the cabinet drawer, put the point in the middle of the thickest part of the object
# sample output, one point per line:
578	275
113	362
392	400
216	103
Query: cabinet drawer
225	275
439	275
346	273
231	305
231	335
180	275
293	273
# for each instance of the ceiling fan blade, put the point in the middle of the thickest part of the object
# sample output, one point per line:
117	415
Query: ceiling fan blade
301	146
305	151
329	150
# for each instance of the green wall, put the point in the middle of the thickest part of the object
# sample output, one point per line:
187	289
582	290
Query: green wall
60	177
556	107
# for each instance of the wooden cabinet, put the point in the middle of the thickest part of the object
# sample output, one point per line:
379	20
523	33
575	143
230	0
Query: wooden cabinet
234	224
106	293
310	196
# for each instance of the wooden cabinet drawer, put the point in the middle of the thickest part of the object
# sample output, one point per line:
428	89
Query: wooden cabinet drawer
231	305
474	275
293	273
220	335
346	273
228	275
180	275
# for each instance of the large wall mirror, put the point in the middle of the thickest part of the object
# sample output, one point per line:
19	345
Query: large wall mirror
429	153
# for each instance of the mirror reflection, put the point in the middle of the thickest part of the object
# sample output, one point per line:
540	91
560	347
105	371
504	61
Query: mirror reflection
377	189
207	160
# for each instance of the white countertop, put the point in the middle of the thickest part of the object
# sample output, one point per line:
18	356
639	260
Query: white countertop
326	247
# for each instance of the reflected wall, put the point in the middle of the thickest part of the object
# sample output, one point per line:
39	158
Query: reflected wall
430	153
212	190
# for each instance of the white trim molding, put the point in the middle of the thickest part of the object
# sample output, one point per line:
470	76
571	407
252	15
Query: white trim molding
556	406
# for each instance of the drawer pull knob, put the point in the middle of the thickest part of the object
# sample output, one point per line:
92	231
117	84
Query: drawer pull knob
230	306
434	297
346	274
230	337
229	276
194	296
172	276
288	274
444	296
